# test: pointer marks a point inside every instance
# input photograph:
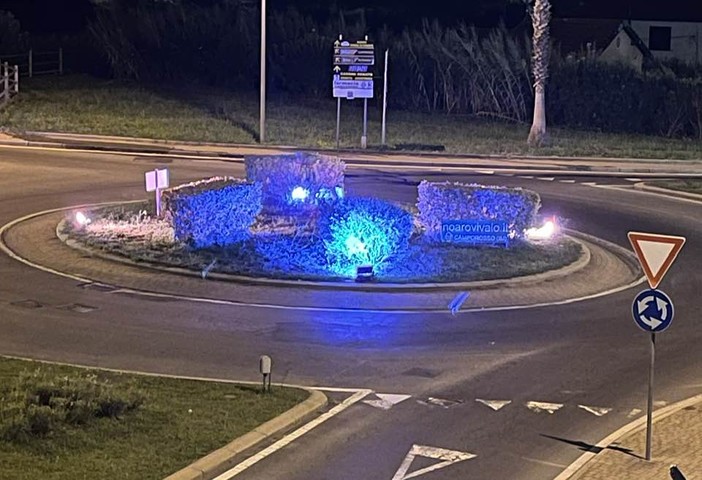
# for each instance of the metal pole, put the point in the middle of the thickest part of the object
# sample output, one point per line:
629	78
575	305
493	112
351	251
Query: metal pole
16	78
649	417
262	100
385	98
364	137
31	66
338	120
6	81
60	59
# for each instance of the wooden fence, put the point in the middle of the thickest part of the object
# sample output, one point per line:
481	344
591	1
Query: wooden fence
37	63
9	86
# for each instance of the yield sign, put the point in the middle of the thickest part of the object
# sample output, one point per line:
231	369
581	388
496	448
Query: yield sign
656	253
446	457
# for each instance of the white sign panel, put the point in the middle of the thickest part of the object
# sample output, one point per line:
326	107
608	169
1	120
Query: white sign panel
351	89
156	179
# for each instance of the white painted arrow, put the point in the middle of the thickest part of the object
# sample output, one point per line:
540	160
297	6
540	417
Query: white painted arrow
494	404
597	411
544	407
386	400
447	457
651	322
663	307
642	304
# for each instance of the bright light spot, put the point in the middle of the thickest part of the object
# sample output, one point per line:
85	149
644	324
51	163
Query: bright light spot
300	194
354	245
339	192
81	219
546	231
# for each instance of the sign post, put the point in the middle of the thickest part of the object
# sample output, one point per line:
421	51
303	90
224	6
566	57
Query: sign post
352	74
157	180
652	309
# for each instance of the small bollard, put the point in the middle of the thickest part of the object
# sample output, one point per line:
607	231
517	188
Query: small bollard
265	365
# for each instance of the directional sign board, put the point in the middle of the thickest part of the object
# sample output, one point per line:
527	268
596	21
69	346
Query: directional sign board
653	310
352	69
156	179
656	253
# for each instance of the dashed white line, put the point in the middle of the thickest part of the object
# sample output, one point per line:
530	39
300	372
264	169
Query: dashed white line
546	179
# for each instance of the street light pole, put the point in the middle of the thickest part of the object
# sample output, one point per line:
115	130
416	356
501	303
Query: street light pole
262	100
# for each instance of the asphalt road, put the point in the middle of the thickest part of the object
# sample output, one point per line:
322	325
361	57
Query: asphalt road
588	353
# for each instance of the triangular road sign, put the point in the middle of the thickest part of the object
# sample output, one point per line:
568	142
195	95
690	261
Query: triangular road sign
446	457
656	253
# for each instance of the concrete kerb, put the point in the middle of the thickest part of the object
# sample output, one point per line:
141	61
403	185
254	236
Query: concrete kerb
138	140
642	186
582	262
222	459
582	463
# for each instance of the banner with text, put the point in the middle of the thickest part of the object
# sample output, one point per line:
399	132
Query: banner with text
475	232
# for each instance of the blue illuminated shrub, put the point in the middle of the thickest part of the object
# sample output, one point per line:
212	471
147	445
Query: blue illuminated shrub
360	231
314	178
213	212
457	201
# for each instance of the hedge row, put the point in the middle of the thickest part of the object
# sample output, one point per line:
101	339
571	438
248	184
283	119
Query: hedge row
437	202
320	176
215	211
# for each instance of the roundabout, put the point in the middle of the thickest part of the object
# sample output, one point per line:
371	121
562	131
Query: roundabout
80	308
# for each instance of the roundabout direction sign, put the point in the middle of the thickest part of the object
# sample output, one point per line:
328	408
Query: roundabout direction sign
653	310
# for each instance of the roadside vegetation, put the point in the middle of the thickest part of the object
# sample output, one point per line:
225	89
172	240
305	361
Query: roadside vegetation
65	423
82	104
690	186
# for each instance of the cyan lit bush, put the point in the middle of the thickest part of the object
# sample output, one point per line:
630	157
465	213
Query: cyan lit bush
363	231
296	183
457	201
213	212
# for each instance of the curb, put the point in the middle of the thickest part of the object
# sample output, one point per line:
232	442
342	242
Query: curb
222	459
107	138
669	192
582	262
582	463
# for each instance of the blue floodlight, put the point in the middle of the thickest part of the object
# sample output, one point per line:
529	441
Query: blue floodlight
300	194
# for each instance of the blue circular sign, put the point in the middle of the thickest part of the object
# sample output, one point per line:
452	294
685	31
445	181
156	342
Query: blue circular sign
653	310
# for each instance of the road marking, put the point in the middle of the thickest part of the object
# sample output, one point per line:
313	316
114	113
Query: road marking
151	294
288	439
494	404
589	184
596	411
486	172
440	402
544	462
633	179
660	403
526	176
634	412
546	179
447	457
386	401
567	181
539	407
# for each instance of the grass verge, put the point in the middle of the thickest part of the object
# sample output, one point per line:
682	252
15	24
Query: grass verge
178	422
690	186
122	230
80	104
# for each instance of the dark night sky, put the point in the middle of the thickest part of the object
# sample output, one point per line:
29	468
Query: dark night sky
39	16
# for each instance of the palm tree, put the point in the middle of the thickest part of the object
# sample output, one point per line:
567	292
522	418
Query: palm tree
540	16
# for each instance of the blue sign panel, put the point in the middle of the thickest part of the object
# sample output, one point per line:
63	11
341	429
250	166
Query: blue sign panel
475	232
653	310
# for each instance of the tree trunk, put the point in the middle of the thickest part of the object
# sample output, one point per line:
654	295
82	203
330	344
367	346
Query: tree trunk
540	18
537	134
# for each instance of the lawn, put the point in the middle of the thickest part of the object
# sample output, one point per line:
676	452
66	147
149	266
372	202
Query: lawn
178	422
690	186
82	104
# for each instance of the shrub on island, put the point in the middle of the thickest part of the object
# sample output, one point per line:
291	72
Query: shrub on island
441	201
213	212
